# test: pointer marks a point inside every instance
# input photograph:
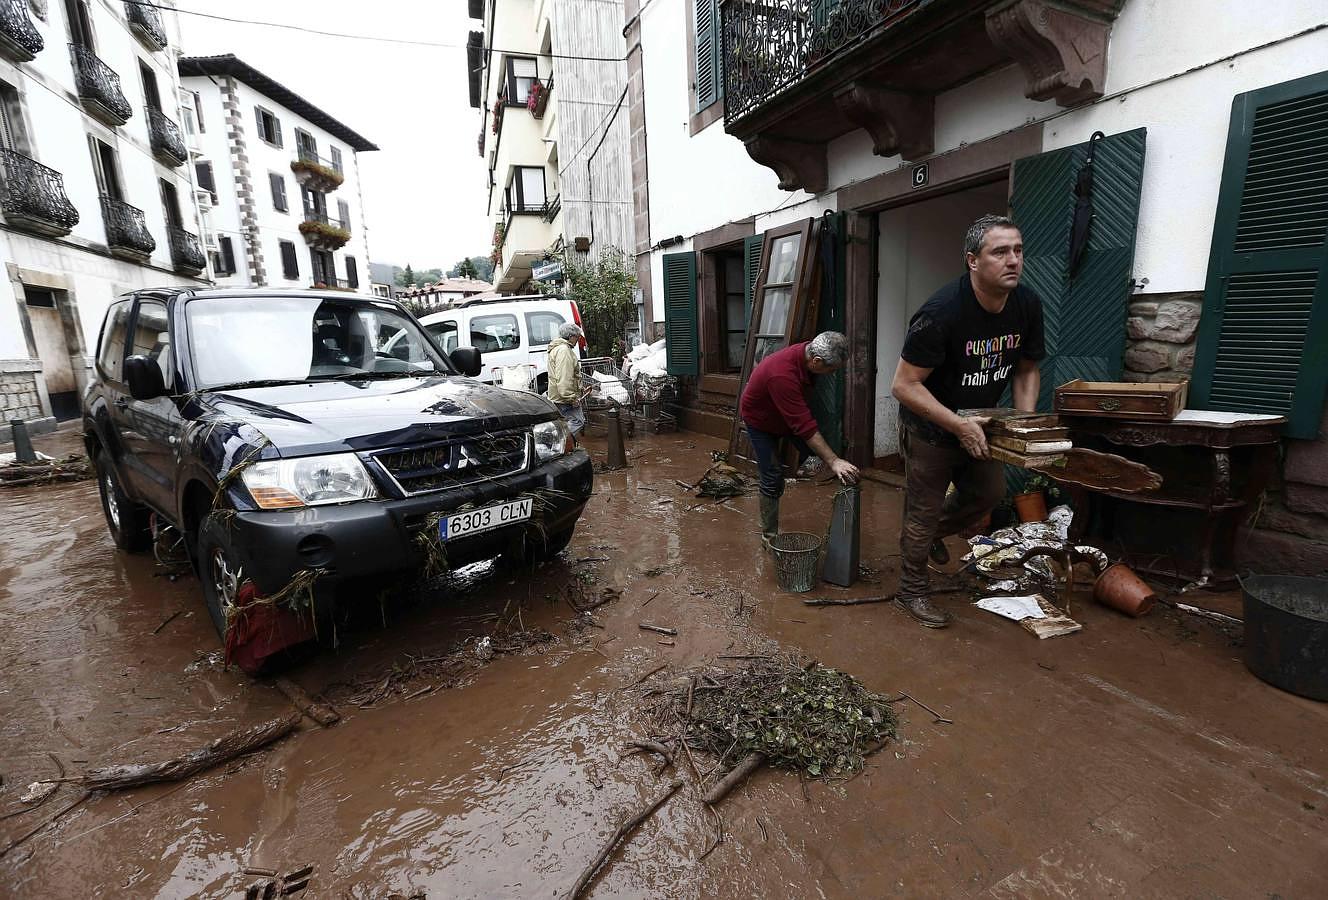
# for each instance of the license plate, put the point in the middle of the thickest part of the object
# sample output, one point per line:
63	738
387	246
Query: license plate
475	520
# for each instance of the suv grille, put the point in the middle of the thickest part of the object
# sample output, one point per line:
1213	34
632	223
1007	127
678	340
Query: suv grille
435	467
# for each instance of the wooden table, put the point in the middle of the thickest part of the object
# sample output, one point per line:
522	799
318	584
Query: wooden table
1214	466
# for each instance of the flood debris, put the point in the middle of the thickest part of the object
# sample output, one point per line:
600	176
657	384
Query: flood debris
270	886
582	601
658	629
623	830
320	712
721	481
74	467
846	601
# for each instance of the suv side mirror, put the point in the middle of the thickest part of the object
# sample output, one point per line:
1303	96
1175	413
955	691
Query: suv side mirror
467	359
144	378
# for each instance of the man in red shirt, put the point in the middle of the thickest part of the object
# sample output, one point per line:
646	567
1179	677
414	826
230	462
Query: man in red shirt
774	405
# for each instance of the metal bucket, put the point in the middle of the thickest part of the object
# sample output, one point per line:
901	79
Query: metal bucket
1286	632
796	555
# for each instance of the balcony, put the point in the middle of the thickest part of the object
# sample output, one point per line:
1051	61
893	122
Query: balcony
167	139
99	87
800	73
145	22
552	209
19	38
32	196
126	231
315	172
331	284
321	232
527	235
538	100
186	253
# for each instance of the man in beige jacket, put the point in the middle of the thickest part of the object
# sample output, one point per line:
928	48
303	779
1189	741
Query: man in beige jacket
565	377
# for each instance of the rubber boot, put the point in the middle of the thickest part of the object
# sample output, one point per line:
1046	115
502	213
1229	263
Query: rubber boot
769	518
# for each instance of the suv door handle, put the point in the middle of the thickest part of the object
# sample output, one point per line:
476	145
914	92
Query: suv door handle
121	402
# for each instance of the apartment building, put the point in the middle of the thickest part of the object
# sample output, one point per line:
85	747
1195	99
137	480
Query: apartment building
278	180
549	79
96	196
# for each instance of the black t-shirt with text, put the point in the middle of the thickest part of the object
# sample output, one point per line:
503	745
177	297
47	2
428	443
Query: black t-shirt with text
971	352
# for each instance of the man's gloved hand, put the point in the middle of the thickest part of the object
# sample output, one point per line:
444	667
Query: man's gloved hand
845	471
972	437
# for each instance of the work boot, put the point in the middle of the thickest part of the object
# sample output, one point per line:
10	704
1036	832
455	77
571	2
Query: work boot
769	518
921	609
938	553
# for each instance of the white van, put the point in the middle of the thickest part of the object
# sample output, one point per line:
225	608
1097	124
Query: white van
508	331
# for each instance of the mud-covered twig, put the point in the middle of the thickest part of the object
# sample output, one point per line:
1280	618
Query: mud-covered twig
52	820
940	719
846	601
648	599
653	747
749	764
168	620
223	749
320	712
623	831
648	674
658	629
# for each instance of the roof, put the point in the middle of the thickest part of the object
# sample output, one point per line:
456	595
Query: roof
230	64
450	286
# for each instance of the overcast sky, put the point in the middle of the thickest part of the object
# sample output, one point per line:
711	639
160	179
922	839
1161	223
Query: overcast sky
424	189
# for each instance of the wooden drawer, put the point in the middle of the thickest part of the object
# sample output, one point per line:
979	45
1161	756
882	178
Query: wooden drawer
1121	400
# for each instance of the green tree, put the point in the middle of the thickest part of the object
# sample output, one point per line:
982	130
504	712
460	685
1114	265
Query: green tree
406	278
603	291
465	269
483	267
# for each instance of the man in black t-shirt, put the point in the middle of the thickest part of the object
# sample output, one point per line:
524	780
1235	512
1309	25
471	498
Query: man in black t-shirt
971	340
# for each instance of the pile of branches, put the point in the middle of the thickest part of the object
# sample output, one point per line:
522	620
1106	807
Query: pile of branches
74	467
721	480
789	713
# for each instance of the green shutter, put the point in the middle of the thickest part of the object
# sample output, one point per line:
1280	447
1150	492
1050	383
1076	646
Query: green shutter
680	313
827	398
709	49
1084	317
751	260
1265	309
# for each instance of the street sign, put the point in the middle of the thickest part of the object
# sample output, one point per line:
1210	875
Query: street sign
920	175
547	271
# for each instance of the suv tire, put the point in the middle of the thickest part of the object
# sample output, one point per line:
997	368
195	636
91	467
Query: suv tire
127	521
219	570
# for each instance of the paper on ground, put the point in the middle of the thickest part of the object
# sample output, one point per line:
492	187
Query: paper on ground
1014	608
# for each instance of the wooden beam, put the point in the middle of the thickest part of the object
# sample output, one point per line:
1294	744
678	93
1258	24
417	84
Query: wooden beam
900	124
1063	53
799	165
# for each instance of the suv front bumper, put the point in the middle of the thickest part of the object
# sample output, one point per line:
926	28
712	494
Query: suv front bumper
377	537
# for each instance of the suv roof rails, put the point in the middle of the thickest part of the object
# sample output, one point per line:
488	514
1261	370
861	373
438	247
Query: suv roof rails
508	299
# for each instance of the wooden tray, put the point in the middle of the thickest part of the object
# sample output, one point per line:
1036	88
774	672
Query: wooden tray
1121	400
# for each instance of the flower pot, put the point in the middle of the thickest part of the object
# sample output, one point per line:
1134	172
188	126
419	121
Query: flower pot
1031	506
1121	589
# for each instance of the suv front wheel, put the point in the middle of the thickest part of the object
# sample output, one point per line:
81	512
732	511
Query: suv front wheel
127	520
219	570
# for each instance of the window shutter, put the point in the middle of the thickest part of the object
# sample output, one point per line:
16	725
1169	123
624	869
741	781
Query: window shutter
277	184
290	265
343	213
262	126
276	132
709	49
352	272
336	158
1084	316
680	313
227	255
751	262
1263	334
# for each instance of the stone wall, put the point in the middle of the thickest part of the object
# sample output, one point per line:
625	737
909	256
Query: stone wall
22	394
1160	336
1289	535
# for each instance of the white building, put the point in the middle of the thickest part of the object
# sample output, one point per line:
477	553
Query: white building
441	294
550	81
95	192
278	180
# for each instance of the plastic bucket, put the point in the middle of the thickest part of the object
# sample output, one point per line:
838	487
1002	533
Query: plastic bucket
796	555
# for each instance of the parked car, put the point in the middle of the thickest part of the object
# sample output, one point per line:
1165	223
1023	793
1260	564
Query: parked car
296	455
511	331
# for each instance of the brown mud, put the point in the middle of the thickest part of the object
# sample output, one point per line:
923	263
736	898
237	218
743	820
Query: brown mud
1137	757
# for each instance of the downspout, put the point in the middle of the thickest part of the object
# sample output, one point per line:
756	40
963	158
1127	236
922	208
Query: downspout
590	178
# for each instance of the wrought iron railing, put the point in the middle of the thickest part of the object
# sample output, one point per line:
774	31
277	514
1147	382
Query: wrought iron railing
31	192
126	226
17	30
186	252
310	156
146	22
771	45
99	83
336	284
553	207
313	215
166	136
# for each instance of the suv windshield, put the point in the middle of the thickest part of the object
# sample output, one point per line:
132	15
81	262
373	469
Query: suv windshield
292	339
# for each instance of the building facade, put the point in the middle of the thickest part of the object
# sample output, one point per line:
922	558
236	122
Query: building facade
278	180
96	192
877	130
437	295
549	79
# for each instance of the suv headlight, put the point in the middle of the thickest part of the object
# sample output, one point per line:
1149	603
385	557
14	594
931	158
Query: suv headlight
552	440
308	481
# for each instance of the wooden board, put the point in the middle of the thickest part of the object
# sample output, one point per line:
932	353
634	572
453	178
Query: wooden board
1103	472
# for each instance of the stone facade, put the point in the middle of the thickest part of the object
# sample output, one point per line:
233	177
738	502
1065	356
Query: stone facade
1160	337
1289	536
21	392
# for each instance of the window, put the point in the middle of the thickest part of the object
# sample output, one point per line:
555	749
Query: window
496	332
445	334
152	338
278	183
306	145
191	107
269	127
324	267
732	311
226	254
526	191
521	72
111	346
80	24
352	272
315	204
336	158
290	264
170	204
206	179
708	69
13	133
543	326
106	168
150	93
40	297
343	214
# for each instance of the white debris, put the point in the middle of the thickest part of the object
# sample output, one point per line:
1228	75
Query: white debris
1015	609
484	649
39	791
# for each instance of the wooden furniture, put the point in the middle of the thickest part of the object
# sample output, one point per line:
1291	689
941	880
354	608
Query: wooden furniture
1214	467
1121	400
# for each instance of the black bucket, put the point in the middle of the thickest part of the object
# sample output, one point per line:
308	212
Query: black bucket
1286	632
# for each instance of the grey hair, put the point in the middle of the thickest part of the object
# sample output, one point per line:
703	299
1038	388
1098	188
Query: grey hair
830	346
977	232
569	330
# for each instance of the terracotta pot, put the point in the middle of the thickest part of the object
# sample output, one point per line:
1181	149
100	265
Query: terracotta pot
1031	507
1121	589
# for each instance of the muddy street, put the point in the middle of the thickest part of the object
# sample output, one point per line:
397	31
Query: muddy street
1135	758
